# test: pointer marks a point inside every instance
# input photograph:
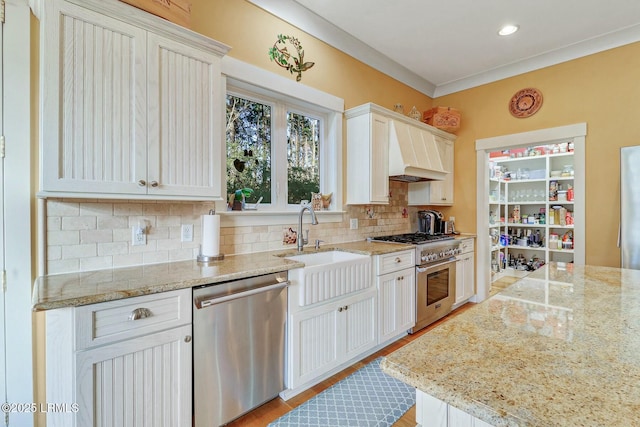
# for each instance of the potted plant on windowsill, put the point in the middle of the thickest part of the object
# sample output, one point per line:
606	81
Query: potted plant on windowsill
237	199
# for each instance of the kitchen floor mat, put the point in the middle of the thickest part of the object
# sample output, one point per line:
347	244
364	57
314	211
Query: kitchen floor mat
368	397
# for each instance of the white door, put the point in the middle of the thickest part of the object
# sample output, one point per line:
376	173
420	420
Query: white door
17	368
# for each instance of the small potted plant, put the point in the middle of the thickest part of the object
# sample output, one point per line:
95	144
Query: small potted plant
237	199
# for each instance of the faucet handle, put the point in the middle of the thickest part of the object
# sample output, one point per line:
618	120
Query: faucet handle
318	241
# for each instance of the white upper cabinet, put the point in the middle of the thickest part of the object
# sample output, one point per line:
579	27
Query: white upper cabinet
367	158
131	104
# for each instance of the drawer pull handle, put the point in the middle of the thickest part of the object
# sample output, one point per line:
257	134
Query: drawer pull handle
140	313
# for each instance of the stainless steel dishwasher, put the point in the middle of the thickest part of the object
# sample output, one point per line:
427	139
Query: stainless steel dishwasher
238	346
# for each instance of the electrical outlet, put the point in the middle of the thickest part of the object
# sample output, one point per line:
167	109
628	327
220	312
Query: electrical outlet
186	233
138	236
353	223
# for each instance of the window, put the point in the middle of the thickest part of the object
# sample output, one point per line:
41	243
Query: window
275	151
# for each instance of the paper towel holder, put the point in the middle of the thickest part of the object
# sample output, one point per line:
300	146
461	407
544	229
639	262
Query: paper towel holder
204	259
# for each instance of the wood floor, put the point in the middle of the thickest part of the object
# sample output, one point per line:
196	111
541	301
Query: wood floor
274	409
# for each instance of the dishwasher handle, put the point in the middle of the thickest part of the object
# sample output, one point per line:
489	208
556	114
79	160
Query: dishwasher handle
204	303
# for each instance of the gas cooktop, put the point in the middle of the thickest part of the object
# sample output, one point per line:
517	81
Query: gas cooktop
413	238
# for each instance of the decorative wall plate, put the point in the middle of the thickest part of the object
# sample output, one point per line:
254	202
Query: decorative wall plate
525	103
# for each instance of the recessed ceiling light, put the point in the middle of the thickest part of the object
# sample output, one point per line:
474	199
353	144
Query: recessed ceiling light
508	29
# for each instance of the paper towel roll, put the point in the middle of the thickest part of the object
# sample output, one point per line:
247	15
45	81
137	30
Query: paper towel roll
210	235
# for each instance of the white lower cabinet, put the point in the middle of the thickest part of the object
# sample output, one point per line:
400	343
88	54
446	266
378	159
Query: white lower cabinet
465	277
123	363
397	303
323	337
396	277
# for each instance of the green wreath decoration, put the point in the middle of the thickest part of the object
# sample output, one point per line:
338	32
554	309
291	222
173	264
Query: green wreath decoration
280	54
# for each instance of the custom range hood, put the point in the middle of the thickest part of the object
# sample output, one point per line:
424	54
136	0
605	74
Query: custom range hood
413	154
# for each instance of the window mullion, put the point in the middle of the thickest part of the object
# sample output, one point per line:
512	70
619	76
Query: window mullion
279	155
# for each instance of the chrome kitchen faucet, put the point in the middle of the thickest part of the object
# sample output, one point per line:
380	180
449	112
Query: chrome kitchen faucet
304	240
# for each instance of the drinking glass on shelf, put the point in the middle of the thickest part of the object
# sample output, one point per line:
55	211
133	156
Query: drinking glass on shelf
528	195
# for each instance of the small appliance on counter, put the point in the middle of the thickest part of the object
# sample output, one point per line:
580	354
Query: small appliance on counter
432	222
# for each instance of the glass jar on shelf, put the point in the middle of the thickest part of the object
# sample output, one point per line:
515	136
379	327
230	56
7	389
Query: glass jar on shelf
567	171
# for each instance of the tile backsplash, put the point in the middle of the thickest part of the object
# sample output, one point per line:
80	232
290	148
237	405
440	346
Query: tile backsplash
92	234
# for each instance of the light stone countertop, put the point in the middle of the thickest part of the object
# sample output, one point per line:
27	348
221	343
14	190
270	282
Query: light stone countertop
75	289
560	347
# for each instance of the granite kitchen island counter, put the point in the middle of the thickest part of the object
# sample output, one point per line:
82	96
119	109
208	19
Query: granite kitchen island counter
560	347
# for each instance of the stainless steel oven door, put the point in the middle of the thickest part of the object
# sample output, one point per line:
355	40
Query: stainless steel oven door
435	292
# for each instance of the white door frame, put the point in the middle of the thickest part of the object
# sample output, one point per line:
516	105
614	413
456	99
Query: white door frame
16	128
577	132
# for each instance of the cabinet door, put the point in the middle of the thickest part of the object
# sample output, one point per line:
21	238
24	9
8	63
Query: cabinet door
442	191
396	302
185	116
465	280
312	343
94	101
379	169
146	381
359	315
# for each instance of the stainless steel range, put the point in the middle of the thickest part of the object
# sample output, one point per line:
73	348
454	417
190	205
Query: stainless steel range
435	274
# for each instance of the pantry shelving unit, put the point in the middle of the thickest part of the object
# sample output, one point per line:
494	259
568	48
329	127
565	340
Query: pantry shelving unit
521	181
572	133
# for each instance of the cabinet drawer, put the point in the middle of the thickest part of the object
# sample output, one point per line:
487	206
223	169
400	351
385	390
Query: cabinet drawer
395	261
466	246
107	322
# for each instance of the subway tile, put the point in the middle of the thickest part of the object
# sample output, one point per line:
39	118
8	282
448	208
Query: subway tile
155	257
111	222
96	236
79	251
168	220
96	263
60	208
156	209
63	237
63	266
127	260
54	223
54	253
180	254
79	223
96	209
113	248
127	209
181	209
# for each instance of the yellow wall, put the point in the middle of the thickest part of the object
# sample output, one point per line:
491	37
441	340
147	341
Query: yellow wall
600	90
250	31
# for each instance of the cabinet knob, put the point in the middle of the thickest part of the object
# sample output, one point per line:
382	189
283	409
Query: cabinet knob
346	307
142	183
398	260
187	338
154	183
340	310
140	313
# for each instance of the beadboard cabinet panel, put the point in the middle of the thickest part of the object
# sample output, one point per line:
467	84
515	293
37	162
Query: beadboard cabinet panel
131	106
94	101
137	382
184	119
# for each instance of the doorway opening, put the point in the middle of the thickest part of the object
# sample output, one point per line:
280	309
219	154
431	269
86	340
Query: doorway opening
514	215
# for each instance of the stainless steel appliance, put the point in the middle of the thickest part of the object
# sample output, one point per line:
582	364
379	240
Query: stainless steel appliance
430	222
435	274
238	346
629	238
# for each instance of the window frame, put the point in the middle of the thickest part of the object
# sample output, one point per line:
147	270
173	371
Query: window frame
244	80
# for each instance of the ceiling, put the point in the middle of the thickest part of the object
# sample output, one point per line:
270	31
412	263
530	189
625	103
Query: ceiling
441	47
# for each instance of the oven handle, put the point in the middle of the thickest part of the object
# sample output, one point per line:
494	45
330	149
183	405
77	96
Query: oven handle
429	267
